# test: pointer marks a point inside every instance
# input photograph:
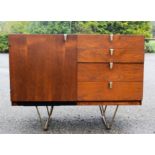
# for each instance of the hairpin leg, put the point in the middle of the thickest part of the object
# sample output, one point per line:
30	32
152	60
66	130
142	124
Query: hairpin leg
104	119
49	112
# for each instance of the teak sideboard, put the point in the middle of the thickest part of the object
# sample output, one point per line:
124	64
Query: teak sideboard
62	69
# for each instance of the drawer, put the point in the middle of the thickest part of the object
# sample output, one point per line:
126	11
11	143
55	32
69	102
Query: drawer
100	91
105	41
111	54
101	72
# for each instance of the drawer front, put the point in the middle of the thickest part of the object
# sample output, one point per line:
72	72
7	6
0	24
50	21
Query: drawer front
111	54
100	91
105	41
100	72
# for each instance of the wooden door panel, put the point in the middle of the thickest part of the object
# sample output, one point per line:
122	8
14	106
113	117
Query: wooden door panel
17	60
70	69
100	72
100	91
40	68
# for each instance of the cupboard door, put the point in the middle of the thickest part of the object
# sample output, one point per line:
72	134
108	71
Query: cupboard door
42	68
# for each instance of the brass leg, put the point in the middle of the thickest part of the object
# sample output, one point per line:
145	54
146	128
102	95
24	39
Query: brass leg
48	119
49	112
104	119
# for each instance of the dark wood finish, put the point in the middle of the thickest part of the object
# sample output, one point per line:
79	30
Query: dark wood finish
103	55
100	91
99	72
43	67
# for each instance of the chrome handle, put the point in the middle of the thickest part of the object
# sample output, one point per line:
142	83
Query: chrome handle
111	65
65	37
110	84
111	50
111	37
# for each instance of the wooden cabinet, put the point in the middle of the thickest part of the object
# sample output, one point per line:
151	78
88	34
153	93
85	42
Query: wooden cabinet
77	69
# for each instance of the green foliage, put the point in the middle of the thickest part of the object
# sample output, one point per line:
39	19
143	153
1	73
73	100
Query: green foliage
115	27
20	27
74	27
14	27
3	43
49	27
150	46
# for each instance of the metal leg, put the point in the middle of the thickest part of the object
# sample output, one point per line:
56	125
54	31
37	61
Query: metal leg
103	110
49	112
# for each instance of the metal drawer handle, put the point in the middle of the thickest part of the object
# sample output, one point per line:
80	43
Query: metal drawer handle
110	84
111	37
111	65
65	37
111	50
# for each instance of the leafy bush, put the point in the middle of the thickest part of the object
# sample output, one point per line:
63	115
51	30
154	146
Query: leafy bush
115	27
76	27
3	43
150	46
49	27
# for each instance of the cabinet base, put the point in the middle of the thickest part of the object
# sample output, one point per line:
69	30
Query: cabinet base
67	103
102	110
104	118
49	112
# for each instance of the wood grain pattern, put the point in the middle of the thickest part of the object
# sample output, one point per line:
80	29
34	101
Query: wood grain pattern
47	70
103	55
42	67
94	73
70	69
99	91
110	103
103	41
100	72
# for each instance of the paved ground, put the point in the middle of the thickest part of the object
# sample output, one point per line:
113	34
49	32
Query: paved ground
79	119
